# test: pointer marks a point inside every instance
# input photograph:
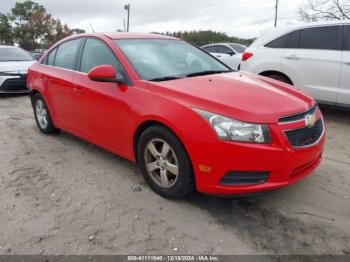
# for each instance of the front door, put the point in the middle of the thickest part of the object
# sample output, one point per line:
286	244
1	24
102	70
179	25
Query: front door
100	107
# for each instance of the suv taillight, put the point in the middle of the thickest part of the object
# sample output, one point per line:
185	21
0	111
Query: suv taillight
246	56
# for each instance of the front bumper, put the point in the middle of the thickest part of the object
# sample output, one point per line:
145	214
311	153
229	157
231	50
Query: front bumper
284	164
13	83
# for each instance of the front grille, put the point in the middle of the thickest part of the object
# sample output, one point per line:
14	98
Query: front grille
305	136
241	178
299	116
15	84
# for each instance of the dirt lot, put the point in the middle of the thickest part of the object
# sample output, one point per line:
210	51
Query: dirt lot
61	195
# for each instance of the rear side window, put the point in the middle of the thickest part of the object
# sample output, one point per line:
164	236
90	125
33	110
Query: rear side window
293	40
223	50
347	30
66	54
324	38
97	53
51	57
280	42
210	49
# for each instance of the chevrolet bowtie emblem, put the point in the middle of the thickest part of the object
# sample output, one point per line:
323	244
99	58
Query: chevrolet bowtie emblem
310	120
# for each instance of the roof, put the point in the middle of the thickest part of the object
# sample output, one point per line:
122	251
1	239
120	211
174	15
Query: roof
123	35
274	33
7	46
228	43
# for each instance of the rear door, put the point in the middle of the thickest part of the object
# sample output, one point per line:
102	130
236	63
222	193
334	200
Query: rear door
59	81
314	61
100	108
344	90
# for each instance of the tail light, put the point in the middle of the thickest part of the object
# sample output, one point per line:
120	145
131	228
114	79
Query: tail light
246	56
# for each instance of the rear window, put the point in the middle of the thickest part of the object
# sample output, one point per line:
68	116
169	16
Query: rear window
323	38
11	54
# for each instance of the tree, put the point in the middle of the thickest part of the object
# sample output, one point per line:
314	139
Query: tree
207	37
33	27
6	34
315	10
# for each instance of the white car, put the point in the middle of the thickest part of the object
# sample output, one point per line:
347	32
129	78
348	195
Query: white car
228	53
14	64
314	57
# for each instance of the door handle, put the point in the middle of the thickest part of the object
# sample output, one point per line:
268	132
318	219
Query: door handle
292	57
218	56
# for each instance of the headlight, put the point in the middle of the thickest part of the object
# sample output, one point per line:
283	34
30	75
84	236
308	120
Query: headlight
234	130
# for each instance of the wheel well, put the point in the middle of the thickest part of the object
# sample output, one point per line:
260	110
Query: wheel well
32	94
142	128
272	72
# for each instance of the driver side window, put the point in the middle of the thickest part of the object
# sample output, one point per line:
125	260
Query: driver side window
97	53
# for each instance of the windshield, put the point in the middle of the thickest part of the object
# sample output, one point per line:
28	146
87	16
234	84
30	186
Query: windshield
8	54
160	60
238	48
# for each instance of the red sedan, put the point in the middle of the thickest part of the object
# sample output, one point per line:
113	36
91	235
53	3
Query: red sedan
188	120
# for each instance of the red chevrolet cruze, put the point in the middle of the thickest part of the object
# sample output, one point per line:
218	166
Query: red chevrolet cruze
188	120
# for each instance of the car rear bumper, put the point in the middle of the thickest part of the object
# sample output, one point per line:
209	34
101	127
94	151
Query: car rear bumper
243	168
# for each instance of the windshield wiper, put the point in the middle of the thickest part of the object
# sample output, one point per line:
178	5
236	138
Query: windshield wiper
164	78
208	72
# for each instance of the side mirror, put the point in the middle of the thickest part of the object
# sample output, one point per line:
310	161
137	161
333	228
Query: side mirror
103	73
231	53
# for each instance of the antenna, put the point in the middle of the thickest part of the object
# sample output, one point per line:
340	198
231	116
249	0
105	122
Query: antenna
92	28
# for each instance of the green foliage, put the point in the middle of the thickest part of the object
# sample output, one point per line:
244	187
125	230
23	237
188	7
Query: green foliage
6	34
32	27
201	38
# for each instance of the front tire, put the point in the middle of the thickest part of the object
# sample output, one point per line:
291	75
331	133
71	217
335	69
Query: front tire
42	115
164	163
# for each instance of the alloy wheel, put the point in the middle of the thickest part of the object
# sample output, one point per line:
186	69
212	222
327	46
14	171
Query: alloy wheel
41	114
161	163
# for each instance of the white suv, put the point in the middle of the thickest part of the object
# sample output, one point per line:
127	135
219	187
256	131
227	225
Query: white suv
314	57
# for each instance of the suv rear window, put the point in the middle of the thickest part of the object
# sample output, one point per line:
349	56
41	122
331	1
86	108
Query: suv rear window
347	30
290	40
280	42
324	38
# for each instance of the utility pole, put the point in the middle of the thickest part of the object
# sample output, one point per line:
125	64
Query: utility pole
127	8
276	13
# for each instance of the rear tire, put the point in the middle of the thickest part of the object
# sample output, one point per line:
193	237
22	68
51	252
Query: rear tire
280	78
42	115
164	163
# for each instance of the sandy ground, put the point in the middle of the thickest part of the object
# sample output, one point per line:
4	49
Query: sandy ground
61	195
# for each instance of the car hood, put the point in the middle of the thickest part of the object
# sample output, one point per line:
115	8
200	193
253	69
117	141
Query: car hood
15	66
238	95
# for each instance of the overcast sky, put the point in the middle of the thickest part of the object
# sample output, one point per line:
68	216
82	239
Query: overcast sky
243	18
